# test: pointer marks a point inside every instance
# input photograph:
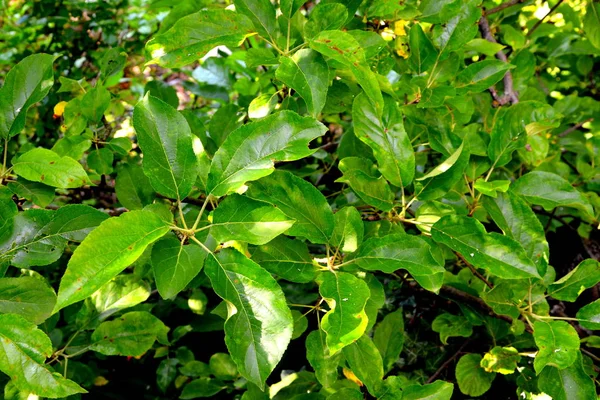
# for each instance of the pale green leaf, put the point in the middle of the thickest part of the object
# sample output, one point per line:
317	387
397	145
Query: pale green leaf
28	296
45	166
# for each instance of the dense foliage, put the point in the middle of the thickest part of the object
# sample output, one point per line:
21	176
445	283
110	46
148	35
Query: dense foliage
300	199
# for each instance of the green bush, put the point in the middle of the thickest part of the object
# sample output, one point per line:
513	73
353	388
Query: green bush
299	200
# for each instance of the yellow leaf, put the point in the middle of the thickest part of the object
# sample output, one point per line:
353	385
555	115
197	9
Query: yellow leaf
350	376
100	381
59	109
399	27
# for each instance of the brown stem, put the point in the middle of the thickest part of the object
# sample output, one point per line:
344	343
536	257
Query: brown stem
475	272
574	127
537	24
503	6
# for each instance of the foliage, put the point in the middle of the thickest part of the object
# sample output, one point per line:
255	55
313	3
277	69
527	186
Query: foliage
299	199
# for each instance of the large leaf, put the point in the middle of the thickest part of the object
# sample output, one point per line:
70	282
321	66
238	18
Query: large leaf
558	343
386	136
166	140
175	265
324	17
459	29
571	383
250	151
253	221
389	338
131	334
591	23
262	14
398	251
550	190
22	355
498	254
422	52
365	362
107	251
194	35
132	186
570	286
321	359
287	258
345	49
28	296
74	222
347	320
259	323
45	166
589	315
365	181
299	200
25	84
308	74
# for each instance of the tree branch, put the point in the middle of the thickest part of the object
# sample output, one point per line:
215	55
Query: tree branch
502	6
574	127
537	24
447	362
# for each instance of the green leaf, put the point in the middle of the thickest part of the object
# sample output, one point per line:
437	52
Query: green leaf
571	383
202	387
589	315
366	363
389	338
45	166
252	221
133	187
397	251
438	390
299	200
481	75
308	74
459	29
516	219
162	91
195	368
107	251
558	343
194	35
39	194
550	191
262	15
131	334
361	175
441	179
491	188
250	151
321	359
28	296
591	23
345	49
26	83
570	286
422	53
166	140
122	292
347	320
498	254
259	323
94	103
287	258
387	137
503	360
166	373
22	355
449	325
175	265
74	222
349	230
101	160
484	46
222	366
472	379
325	17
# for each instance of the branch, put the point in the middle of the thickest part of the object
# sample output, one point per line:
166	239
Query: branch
509	92
447	362
502	6
574	127
537	24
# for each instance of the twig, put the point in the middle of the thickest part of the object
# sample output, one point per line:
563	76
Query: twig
503	6
574	128
537	24
475	272
509	92
447	362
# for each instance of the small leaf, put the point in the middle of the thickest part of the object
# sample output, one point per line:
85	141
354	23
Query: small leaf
441	179
122	292
166	373
481	75
107	251
202	387
45	166
287	258
94	103
166	140
259	323
498	254
503	360
252	221
349	230
570	286
389	338
250	151
299	200
324	17
132	334
74	222
472	379
448	325
438	390
39	194
133	187
558	343
365	181
365	361
346	296
222	366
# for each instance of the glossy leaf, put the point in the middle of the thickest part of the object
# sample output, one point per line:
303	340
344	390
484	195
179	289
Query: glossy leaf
38	193
45	166
324	17
107	251
25	84
389	338
133	187
175	265
287	258
194	35
250	151
308	74
498	254
94	103
365	181
347	320
122	292
253	221
259	323
28	296
300	201
166	140
202	387
366	363
441	179
570	286
558	343
386	136
589	315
